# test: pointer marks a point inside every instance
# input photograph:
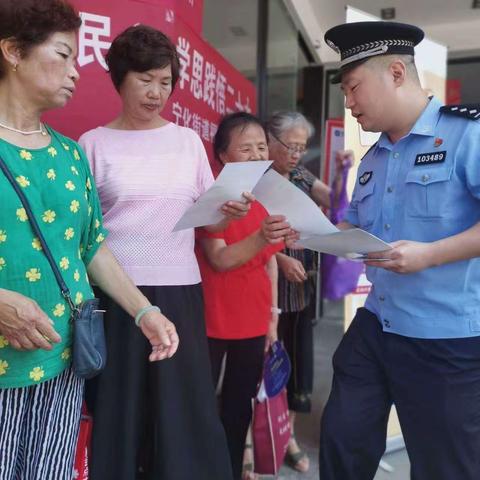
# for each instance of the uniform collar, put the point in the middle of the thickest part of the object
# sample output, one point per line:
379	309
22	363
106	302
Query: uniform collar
425	124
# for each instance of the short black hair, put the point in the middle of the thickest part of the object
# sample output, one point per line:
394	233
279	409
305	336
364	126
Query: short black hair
31	22
230	122
138	49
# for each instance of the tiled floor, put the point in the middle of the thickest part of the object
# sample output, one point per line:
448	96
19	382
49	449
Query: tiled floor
327	335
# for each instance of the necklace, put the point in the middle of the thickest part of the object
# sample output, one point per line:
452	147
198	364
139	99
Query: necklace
31	132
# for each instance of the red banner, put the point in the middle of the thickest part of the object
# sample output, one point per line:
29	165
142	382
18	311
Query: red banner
190	11
208	87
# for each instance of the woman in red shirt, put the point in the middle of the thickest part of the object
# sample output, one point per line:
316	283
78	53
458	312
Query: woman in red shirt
239	277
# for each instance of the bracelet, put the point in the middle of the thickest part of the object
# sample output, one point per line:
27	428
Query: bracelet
143	311
276	310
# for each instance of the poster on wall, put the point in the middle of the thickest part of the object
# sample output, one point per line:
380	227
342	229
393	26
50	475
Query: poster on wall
454	91
334	141
208	87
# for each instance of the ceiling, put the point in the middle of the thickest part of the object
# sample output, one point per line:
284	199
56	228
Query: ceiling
241	50
421	12
453	23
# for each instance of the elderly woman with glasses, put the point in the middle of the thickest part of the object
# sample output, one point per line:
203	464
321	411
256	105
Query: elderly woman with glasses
288	134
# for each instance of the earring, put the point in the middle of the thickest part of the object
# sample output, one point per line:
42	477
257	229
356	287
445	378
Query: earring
14	68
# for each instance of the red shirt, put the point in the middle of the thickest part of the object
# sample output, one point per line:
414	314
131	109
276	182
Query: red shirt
238	302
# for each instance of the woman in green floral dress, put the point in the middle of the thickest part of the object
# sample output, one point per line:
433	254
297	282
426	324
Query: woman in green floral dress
40	397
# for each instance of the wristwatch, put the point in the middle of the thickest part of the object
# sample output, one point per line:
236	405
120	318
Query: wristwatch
276	310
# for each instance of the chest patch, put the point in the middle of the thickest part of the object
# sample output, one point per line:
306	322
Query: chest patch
365	178
428	158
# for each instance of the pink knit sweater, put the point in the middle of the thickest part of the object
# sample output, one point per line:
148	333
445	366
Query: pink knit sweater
146	179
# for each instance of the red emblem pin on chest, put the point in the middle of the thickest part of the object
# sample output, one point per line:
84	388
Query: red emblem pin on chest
438	142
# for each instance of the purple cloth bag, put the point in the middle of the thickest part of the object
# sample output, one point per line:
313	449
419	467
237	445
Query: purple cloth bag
339	275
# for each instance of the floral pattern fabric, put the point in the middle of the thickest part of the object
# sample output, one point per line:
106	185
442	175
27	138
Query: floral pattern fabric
58	185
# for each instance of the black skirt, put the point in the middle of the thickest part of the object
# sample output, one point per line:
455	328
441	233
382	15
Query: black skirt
157	421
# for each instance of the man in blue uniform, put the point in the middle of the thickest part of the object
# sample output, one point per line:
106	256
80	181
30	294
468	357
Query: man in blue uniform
417	341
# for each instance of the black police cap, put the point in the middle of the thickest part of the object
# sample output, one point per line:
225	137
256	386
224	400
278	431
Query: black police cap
357	42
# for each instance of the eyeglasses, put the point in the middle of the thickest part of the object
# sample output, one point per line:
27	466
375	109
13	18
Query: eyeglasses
291	149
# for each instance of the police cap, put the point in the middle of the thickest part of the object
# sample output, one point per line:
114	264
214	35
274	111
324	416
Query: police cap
357	42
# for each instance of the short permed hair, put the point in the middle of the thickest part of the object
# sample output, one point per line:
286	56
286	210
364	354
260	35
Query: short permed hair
282	121
138	49
31	22
230	122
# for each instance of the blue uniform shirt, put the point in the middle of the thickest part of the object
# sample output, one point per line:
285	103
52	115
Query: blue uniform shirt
424	188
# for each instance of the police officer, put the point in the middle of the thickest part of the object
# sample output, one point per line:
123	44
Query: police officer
417	341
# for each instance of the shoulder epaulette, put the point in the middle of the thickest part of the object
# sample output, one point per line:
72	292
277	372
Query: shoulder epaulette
467	110
368	151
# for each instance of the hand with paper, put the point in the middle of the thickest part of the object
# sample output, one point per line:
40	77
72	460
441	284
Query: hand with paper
279	197
316	231
234	180
233	209
276	229
404	256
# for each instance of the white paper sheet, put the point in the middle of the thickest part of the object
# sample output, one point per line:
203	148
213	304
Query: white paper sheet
281	197
234	179
346	243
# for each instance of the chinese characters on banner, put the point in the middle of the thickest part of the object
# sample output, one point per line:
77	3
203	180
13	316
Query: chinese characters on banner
208	86
93	39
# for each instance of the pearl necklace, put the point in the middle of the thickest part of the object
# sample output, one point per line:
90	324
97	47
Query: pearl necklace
31	132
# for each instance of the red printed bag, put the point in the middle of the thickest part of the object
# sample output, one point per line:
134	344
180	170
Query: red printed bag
270	432
80	470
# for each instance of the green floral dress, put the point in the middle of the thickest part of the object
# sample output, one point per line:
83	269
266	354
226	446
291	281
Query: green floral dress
58	185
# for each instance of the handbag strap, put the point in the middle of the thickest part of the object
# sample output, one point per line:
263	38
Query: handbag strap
33	222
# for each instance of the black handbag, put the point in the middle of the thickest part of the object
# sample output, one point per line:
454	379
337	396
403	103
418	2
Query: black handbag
89	349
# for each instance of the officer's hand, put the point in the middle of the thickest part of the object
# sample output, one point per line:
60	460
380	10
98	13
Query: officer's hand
404	257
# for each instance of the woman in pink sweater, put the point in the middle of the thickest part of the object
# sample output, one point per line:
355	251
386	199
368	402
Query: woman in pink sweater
157	419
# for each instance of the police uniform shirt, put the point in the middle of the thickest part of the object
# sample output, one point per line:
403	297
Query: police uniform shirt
423	188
